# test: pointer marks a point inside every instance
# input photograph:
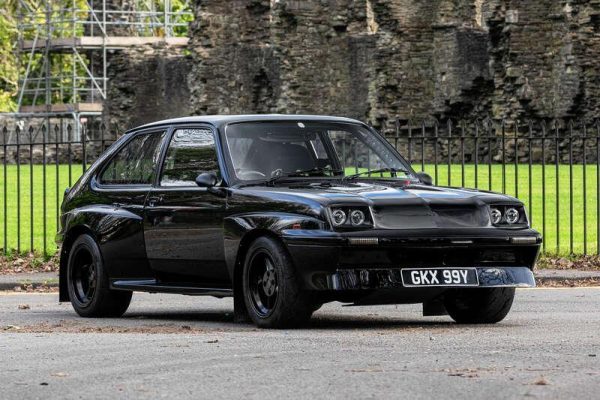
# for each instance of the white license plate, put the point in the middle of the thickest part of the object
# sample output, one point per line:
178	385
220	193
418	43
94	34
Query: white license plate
440	277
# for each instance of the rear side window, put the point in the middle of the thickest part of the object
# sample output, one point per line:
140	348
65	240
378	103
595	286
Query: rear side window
191	152
134	164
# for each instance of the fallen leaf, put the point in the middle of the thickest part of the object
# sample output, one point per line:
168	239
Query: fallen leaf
541	381
24	307
11	327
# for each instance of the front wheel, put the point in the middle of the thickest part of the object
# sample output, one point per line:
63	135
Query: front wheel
479	306
88	282
272	292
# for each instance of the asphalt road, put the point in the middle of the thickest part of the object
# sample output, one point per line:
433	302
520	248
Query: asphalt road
182	347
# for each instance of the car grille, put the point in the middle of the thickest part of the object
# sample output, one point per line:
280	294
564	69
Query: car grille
430	216
406	257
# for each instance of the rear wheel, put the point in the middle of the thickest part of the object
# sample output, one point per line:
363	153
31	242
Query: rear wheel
88	282
272	292
479	306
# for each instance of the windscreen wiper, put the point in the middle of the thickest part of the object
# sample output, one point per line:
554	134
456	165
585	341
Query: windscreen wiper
315	170
278	173
393	171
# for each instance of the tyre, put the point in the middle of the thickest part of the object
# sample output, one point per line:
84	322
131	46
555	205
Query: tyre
272	293
88	285
479	306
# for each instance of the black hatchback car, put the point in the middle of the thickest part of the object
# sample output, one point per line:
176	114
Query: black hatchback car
285	213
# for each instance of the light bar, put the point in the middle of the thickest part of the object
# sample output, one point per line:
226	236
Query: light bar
523	240
370	241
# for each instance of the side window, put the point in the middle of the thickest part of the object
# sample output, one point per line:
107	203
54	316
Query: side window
190	152
135	163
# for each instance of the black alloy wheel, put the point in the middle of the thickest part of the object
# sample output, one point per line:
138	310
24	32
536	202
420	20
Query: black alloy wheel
263	283
87	282
272	291
84	276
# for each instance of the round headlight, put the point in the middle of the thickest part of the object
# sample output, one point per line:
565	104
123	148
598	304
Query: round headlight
339	217
512	216
357	217
496	216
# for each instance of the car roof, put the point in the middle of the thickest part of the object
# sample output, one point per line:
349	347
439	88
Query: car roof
221	120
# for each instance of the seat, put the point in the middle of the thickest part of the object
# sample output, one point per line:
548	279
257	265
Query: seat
290	158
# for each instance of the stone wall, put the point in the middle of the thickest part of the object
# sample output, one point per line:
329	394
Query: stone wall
545	58
362	58
371	59
293	56
147	84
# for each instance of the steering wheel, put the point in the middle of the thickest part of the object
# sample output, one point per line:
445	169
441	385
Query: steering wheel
249	174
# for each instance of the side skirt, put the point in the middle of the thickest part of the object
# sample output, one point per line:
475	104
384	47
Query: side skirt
153	286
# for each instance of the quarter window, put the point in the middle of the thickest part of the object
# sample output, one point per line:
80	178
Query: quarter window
134	164
191	152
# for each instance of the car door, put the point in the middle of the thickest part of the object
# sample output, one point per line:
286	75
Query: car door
123	184
183	223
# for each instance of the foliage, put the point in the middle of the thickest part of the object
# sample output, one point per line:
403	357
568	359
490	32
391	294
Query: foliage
8	65
33	15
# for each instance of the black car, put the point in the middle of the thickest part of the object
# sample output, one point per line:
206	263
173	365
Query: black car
285	213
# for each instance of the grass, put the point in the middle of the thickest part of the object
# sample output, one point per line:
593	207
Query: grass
38	207
555	223
549	209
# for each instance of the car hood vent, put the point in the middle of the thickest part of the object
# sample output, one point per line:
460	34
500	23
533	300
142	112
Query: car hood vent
417	216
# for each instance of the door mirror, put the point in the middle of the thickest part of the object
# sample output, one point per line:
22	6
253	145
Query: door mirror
425	178
207	179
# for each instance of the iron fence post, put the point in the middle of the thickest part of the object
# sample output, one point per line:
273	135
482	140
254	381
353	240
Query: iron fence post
5	188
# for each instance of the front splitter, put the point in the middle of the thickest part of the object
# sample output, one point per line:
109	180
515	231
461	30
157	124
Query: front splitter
389	278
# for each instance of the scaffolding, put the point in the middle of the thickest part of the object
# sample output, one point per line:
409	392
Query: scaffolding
63	47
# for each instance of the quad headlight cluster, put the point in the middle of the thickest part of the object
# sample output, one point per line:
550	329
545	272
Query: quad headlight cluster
350	217
507	215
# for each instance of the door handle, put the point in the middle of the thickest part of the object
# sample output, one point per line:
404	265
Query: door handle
154	201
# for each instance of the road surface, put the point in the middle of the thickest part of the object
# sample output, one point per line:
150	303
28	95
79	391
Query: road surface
169	346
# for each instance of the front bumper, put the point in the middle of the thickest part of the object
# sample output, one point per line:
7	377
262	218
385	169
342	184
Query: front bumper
367	260
357	279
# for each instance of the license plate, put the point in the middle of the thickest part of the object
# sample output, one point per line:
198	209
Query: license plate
440	277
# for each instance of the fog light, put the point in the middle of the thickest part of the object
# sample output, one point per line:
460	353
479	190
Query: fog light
512	216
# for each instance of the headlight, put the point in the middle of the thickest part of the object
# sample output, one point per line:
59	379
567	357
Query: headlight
338	217
357	217
496	216
512	216
351	217
508	215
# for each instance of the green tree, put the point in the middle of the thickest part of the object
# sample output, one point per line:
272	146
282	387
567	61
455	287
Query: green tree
33	14
8	64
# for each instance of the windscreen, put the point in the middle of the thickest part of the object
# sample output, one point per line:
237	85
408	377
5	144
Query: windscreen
261	150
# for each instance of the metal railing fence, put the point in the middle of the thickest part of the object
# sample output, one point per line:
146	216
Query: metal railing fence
39	161
552	166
